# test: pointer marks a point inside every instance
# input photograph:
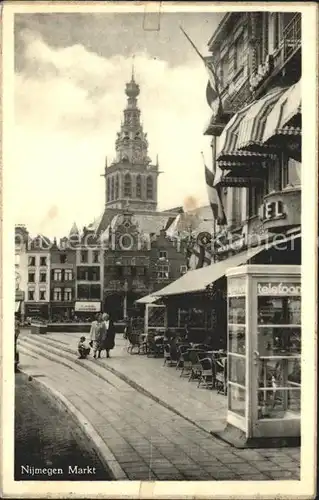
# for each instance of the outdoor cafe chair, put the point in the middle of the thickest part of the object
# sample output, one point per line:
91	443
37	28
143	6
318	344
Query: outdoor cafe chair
196	367
220	369
169	355
181	350
134	343
186	363
206	373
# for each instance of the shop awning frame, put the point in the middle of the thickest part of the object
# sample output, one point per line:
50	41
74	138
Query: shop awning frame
199	279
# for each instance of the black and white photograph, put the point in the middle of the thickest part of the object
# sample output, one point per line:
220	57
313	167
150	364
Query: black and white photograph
155	245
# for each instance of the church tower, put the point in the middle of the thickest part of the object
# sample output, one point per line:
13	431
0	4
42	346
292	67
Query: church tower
131	179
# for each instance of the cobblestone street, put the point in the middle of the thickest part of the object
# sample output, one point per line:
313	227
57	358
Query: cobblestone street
148	421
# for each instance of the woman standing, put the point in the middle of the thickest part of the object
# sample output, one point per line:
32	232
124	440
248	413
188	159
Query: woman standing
108	342
93	333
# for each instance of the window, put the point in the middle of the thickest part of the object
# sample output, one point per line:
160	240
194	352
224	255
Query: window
256	195
83	273
43	261
108	188
96	256
31	277
84	256
30	294
68	294
163	254
274	31
95	292
239	53
57	275
31	261
112	188
17	260
83	292
117	182
43	294
63	258
138	187
94	274
183	269
149	188
127	270
140	271
291	173
163	272
43	277
127	186
68	275
57	294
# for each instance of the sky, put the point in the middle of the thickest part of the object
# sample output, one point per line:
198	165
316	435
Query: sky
70	76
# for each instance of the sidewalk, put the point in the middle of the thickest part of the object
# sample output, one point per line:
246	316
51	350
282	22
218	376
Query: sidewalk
202	406
148	440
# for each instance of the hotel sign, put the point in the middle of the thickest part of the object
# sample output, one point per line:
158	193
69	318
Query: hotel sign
272	210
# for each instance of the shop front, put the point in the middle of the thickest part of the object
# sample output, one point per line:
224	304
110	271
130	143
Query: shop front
264	355
86	310
62	311
37	310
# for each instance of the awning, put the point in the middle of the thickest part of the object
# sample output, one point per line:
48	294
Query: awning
199	279
148	299
17	306
286	110
87	306
251	128
227	147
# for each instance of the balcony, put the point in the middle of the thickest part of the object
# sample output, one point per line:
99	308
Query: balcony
285	62
281	210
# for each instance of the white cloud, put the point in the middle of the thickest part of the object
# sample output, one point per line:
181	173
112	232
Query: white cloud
68	108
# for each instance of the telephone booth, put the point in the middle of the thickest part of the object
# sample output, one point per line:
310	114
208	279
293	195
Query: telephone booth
264	356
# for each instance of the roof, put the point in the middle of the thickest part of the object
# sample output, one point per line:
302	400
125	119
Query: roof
148	299
199	279
193	222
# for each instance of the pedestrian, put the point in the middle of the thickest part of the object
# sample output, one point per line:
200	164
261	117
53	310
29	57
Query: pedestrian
83	348
93	333
108	342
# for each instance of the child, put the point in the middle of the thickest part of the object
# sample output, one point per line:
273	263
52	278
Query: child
83	348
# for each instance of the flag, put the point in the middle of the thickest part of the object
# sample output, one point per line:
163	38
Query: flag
213	86
214	197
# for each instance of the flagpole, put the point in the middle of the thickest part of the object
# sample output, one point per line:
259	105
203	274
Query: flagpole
213	147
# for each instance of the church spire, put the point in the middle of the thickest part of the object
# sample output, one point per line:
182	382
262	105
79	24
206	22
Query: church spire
131	144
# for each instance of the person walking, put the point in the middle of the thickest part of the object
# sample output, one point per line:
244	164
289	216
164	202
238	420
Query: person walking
108	342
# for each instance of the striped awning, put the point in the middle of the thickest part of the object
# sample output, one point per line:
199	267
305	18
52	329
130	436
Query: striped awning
251	128
227	147
285	112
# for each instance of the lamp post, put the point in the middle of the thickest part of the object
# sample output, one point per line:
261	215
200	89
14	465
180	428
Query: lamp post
125	299
214	236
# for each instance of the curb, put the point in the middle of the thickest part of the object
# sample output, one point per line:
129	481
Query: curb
103	451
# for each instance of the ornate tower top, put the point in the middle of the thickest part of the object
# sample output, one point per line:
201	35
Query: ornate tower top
131	144
131	180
